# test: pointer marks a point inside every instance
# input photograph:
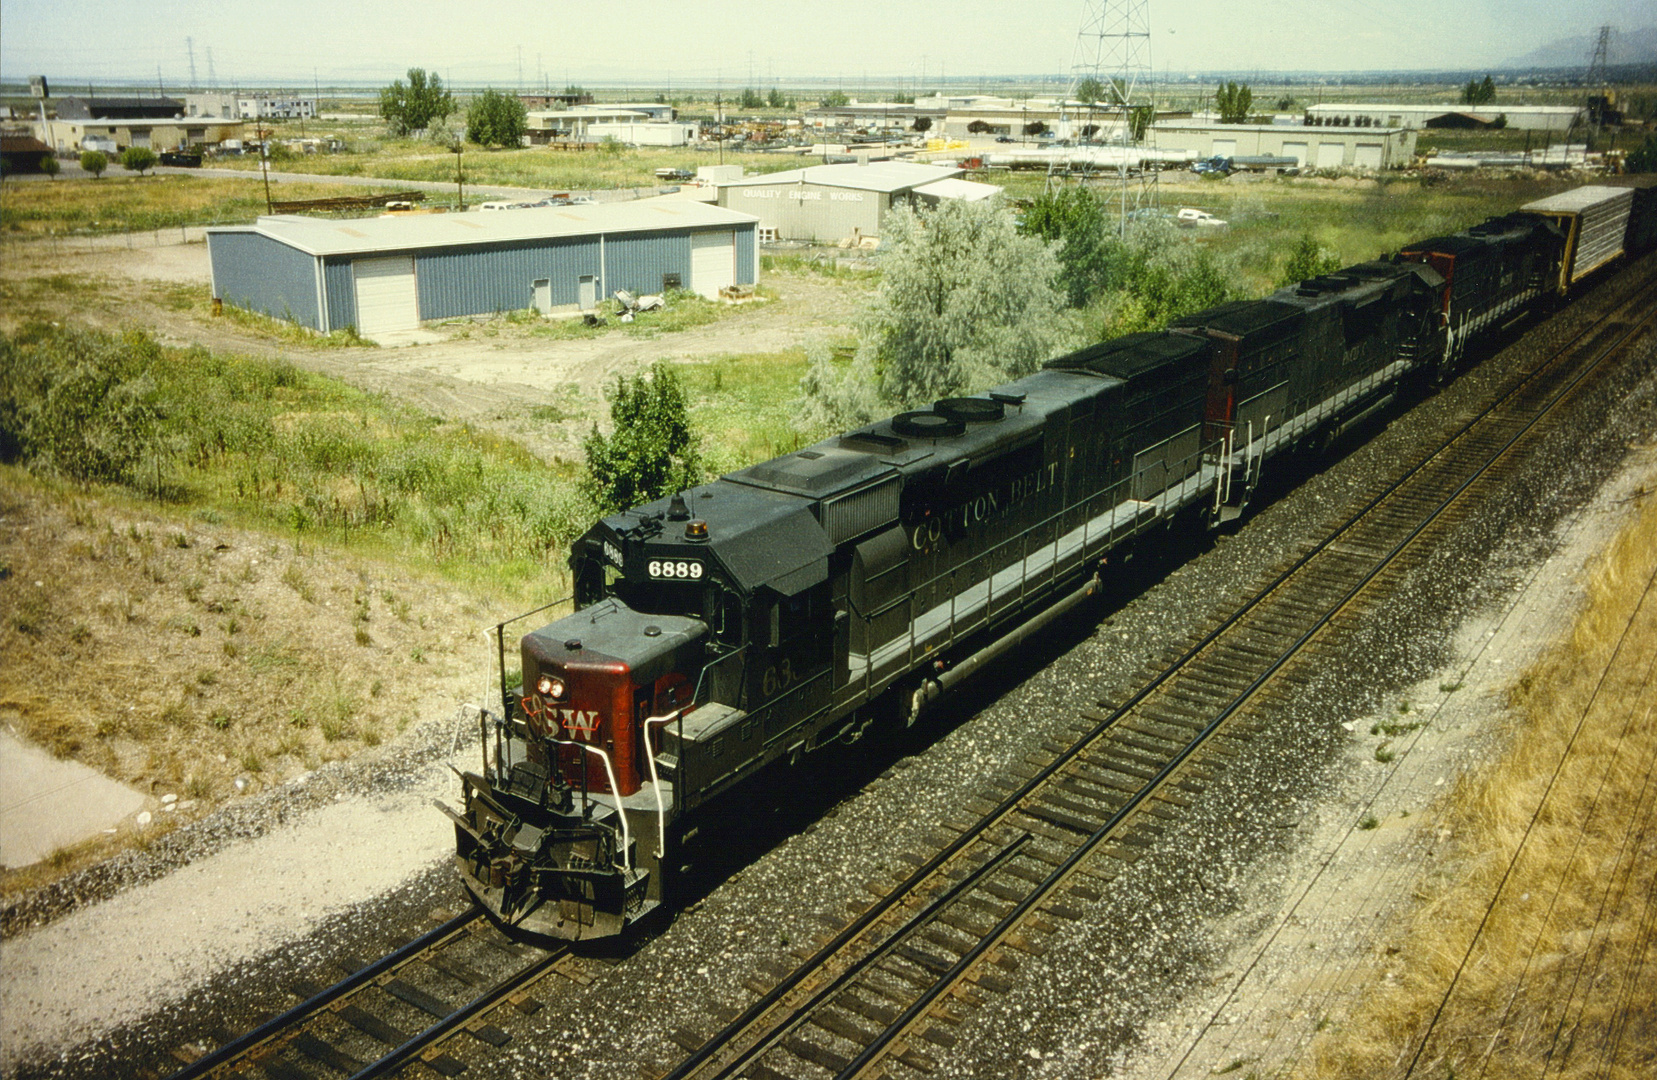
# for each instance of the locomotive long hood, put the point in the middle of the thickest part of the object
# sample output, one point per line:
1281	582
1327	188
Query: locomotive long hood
758	539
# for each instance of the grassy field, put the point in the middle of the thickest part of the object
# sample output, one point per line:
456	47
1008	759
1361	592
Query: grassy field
1532	951
538	167
119	204
1355	218
263	444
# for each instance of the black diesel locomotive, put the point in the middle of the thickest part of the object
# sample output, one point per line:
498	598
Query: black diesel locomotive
832	590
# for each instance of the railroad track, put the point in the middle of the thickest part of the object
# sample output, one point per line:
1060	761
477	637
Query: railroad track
393	1011
895	982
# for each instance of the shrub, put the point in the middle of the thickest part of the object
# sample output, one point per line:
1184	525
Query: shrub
95	162
137	159
1307	260
651	451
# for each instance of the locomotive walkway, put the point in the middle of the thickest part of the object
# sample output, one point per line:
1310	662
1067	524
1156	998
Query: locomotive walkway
901	974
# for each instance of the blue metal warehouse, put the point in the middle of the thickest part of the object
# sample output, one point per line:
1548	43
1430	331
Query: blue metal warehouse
388	274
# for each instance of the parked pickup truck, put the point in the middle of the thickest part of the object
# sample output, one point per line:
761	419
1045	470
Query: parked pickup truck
1190	218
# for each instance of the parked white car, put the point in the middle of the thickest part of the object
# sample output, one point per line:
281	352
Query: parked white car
1189	217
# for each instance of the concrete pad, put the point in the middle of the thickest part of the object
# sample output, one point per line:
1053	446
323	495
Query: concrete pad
46	803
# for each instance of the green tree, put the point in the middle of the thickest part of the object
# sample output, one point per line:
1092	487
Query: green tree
94	162
1307	260
49	165
137	159
903	99
965	302
651	451
835	99
1643	159
1139	121
496	119
1090	91
417	104
922	123
776	100
1233	102
1478	93
1074	218
1151	277
751	99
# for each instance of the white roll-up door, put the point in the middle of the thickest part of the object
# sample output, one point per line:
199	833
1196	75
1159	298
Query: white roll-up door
1296	150
712	262
1330	154
1225	147
1367	156
386	297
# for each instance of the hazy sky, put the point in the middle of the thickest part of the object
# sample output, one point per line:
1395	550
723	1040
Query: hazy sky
657	43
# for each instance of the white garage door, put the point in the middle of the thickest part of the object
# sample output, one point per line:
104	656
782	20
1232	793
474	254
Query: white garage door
1367	156
1296	150
1225	148
386	299
712	262
1330	154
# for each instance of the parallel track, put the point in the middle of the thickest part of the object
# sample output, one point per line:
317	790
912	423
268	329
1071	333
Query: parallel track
873	995
359	1028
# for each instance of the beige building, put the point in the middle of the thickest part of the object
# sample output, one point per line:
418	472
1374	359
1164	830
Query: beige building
66	136
1313	147
830	203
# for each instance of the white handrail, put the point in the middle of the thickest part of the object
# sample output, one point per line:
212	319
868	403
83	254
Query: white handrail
626	836
655	781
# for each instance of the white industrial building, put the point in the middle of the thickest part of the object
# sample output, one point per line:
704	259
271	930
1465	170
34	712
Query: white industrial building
575	124
643	133
831	203
1312	147
1415	117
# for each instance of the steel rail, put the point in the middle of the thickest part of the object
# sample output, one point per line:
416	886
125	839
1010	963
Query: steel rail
274	1027
440	1030
921	918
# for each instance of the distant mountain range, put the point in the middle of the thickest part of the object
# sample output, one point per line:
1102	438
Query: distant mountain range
1627	47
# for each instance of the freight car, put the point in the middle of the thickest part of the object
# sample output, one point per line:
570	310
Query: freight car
1593	224
835	591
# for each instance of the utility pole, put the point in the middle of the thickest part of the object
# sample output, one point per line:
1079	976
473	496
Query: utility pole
190	47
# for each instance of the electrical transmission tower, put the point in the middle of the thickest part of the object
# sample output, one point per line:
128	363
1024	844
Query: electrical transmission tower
1600	101
1112	130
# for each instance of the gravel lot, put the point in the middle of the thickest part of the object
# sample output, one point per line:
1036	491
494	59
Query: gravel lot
1129	978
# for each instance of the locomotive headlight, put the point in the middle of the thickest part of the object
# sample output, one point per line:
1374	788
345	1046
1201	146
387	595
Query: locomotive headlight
550	686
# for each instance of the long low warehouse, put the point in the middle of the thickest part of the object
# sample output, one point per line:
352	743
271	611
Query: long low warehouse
389	274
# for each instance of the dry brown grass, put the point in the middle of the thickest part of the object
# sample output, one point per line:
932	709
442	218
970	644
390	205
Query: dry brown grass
1534	952
178	655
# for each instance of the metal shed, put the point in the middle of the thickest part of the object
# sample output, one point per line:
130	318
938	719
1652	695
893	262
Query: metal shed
830	202
389	274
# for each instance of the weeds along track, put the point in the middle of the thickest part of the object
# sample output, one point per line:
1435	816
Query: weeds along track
396	1010
876	997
